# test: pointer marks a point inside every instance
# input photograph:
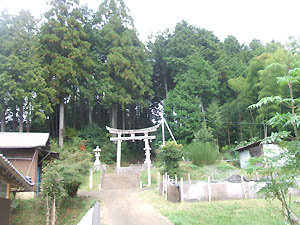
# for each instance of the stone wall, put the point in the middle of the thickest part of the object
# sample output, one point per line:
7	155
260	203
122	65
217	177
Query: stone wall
203	191
220	191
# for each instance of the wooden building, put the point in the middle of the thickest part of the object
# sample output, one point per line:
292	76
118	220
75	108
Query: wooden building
256	149
10	179
27	151
248	151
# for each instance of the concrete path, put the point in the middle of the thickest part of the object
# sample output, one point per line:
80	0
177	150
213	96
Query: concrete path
124	207
120	201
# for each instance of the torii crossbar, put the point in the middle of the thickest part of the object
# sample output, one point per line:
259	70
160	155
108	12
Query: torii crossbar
132	135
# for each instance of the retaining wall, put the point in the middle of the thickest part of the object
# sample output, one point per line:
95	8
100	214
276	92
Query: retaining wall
199	191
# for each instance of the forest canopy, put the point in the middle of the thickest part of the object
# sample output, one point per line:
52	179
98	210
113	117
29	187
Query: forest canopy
76	67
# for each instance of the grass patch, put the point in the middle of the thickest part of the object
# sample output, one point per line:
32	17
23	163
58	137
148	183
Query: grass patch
96	181
239	212
221	170
154	170
32	211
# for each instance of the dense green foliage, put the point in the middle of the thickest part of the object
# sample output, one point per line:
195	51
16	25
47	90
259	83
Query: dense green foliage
93	69
281	167
62	178
32	211
201	153
171	154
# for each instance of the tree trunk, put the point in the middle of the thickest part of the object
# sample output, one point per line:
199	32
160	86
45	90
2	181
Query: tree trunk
133	117
53	214
165	85
14	118
47	210
74	112
114	115
81	108
21	122
3	118
28	126
52	125
293	109
90	115
28	123
61	124
241	130
228	136
123	119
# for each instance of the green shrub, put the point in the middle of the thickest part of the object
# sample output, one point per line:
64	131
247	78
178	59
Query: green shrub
171	155
201	153
205	134
95	135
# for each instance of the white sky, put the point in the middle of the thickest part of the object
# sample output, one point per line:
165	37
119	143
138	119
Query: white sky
245	19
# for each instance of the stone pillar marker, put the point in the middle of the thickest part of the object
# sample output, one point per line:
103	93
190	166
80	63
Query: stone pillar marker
147	158
119	151
97	163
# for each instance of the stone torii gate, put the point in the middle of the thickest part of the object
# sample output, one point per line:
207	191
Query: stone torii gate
134	135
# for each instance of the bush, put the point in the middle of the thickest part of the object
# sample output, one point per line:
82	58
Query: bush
201	153
95	135
171	155
205	134
74	165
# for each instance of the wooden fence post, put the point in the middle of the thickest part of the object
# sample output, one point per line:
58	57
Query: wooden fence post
243	187
167	185
209	189
181	189
163	186
91	179
158	181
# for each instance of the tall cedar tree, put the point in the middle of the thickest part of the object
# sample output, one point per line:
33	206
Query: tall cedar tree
124	58
195	90
64	51
31	92
7	84
21	75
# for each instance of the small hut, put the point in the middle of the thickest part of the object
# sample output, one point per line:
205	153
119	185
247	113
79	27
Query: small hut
27	151
257	149
248	151
10	179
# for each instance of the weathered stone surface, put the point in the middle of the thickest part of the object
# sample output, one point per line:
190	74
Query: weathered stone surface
173	193
120	181
236	178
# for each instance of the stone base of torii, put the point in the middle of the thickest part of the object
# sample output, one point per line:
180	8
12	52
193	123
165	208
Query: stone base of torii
131	135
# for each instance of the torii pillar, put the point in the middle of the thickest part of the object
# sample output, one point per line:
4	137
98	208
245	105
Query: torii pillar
133	137
147	158
119	142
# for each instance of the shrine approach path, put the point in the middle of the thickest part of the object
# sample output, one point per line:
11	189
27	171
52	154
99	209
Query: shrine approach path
120	201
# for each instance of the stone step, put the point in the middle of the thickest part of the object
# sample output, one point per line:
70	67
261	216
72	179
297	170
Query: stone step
120	181
136	169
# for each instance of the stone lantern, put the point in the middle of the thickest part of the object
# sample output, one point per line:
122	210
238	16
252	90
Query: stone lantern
97	163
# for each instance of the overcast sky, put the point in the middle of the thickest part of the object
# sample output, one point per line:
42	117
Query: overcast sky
245	19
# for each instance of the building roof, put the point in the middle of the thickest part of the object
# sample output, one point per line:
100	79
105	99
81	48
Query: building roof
23	140
14	175
251	145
